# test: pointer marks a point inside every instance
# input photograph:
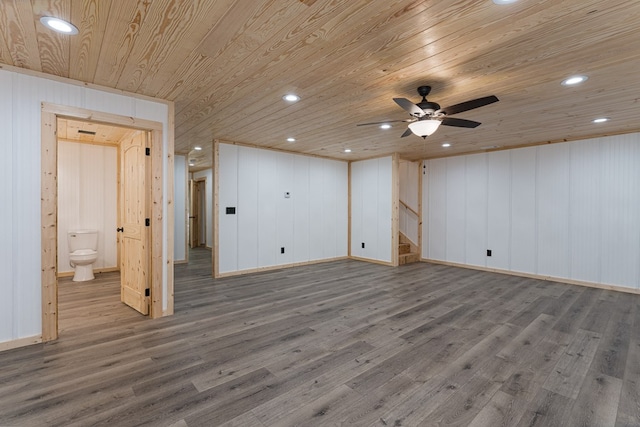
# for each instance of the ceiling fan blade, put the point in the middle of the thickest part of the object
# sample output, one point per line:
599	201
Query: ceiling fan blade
410	107
406	133
386	121
469	105
461	123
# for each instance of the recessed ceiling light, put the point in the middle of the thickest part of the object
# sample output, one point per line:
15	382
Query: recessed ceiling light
197	148
291	139
347	150
59	25
446	144
574	80
385	126
601	120
291	97
504	1
192	164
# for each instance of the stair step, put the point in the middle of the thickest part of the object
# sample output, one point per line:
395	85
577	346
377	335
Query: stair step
404	248
408	258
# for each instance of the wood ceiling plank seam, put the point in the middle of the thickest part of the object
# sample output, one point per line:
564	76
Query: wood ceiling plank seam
510	55
244	107
419	47
5	53
125	24
172	74
306	59
320	73
18	31
92	18
195	65
163	46
282	52
351	27
210	81
54	47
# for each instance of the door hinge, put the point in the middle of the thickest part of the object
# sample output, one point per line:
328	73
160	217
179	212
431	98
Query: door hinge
147	151
146	292
147	222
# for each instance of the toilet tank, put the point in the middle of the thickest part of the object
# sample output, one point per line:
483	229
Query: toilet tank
82	239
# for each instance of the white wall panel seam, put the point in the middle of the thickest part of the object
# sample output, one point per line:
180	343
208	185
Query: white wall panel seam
510	193
466	208
15	206
600	210
488	187
536	213
569	205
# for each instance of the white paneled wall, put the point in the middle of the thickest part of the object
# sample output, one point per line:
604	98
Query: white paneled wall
207	208
20	245
371	209
180	173
409	176
567	210
311	224
87	198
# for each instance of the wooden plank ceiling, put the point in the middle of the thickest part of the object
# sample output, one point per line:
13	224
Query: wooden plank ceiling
227	63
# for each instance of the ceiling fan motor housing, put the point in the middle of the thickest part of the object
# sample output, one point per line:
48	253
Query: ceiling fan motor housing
428	107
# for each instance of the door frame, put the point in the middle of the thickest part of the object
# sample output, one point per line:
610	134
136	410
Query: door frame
49	208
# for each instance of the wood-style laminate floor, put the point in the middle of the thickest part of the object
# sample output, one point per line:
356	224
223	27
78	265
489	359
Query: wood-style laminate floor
342	343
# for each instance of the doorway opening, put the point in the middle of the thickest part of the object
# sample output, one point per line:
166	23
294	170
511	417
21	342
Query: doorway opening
198	213
140	211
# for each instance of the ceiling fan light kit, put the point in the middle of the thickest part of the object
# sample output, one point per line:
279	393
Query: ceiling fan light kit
426	117
424	128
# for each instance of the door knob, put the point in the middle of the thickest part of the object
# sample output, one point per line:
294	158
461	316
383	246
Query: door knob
120	230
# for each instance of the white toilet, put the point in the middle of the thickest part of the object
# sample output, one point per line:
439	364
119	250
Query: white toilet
83	245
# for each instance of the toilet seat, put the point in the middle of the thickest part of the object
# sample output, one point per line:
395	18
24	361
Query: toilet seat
81	252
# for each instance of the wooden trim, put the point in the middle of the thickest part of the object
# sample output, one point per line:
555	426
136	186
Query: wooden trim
20	342
395	208
409	209
186	213
260	147
73	82
155	309
49	226
420	169
373	261
216	203
538	276
169	180
279	267
424	231
49	196
100	117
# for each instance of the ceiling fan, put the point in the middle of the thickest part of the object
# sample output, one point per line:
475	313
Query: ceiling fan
427	116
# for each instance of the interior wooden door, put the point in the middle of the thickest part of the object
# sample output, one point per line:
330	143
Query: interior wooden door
194	211
134	240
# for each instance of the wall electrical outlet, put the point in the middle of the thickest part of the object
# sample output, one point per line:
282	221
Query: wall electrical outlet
488	252
281	250
362	245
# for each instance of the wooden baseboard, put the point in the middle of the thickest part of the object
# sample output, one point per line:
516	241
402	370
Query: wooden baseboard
277	267
538	276
21	342
181	261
